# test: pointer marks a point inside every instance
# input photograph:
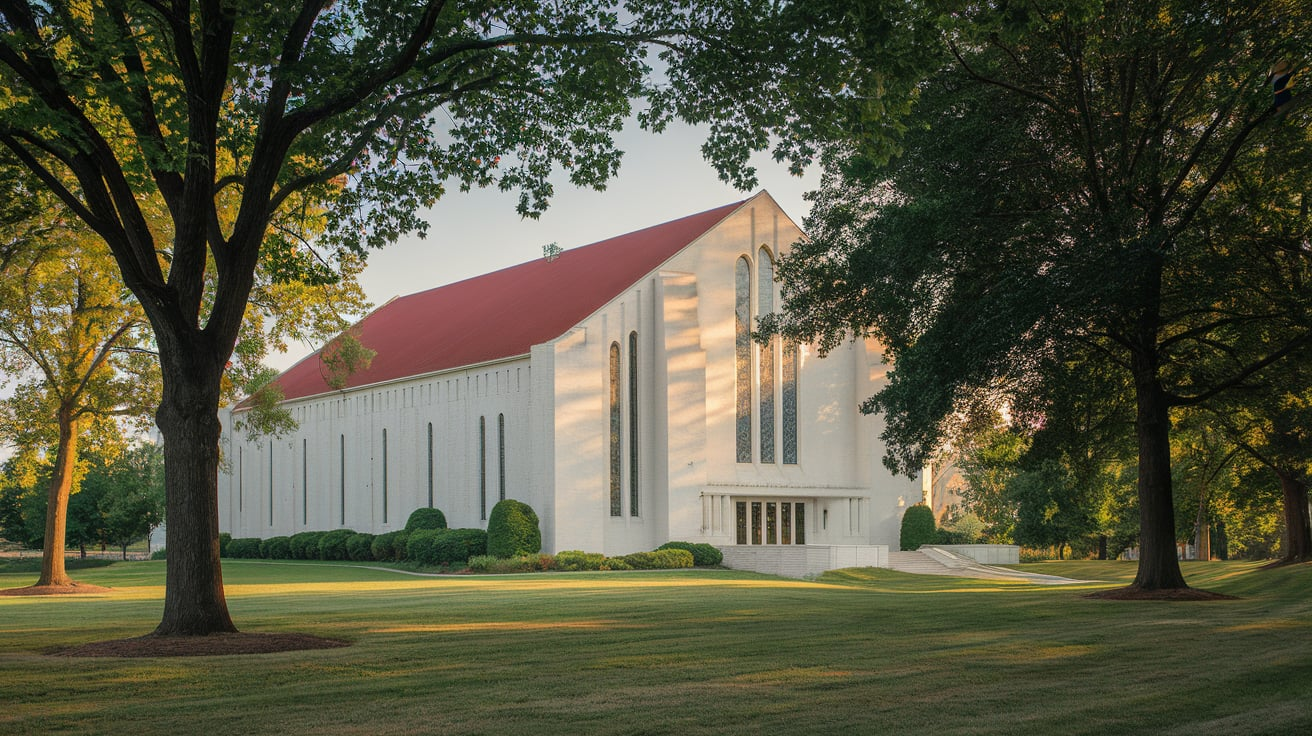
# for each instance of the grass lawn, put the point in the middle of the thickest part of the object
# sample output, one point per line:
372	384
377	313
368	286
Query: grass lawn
688	652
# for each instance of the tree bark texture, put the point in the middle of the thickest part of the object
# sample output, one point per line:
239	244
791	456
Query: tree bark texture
1159	566
61	486
1298	526
194	603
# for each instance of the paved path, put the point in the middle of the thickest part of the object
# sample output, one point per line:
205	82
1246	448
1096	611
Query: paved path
940	562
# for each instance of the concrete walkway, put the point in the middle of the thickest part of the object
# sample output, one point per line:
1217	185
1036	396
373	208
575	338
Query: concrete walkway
941	562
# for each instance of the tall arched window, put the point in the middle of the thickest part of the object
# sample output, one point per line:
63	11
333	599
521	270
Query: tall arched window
633	424
501	455
482	467
430	465
764	306
615	454
743	358
789	401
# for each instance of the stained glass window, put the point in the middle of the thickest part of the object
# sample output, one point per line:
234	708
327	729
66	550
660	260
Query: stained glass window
430	465
789	401
764	306
615	452
800	520
305	482
341	456
482	467
633	424
786	523
771	525
741	508
501	455
743	358
384	476
756	522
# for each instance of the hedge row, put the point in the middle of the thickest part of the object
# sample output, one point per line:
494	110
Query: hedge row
437	545
572	560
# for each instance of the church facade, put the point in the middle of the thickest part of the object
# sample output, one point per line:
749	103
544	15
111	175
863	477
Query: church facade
615	388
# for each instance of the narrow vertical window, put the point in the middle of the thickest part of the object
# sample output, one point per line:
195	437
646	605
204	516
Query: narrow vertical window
384	476
789	397
800	521
482	467
740	508
430	465
271	483
615	454
742	318
341	455
764	306
241	479
633	424
501	456
305	482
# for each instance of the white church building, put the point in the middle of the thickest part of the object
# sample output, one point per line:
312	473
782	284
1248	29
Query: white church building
616	389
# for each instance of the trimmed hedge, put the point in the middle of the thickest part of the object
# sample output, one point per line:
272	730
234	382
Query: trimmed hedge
661	559
425	518
512	530
703	555
244	548
390	546
224	538
433	547
572	560
305	545
359	547
523	563
918	527
332	545
276	548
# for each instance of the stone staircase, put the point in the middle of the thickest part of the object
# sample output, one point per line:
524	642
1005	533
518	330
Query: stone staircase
917	563
941	562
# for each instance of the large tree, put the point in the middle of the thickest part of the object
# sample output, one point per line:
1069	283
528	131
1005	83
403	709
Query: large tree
1054	192
251	105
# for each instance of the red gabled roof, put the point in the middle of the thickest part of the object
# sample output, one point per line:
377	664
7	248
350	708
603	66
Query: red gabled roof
504	313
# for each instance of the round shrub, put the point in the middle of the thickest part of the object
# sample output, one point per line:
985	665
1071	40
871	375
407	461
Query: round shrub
918	527
512	530
661	559
456	546
276	548
244	548
332	545
421	547
425	518
305	545
390	546
573	559
359	547
703	555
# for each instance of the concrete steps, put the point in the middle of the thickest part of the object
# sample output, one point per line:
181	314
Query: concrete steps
917	563
940	562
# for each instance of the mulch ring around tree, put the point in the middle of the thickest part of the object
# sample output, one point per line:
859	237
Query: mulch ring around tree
201	646
73	589
1132	593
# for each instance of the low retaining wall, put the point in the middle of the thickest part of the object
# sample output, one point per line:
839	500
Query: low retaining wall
988	554
802	560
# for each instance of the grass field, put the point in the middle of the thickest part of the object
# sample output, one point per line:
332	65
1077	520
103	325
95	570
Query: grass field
689	652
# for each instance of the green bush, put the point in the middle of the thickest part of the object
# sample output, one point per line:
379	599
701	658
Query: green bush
359	547
950	536
523	563
703	555
159	554
456	546
616	563
276	548
390	546
512	530
661	559
573	560
305	545
918	527
425	518
224	538
332	545
244	548
421	547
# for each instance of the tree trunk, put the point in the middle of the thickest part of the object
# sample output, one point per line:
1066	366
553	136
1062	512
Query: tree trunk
194	604
1159	566
1298	527
1102	546
61	485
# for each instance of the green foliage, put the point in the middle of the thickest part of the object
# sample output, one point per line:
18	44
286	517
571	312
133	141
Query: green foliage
661	559
224	539
305	545
425	518
501	565
433	547
359	547
344	356
332	545
390	546
276	548
573	560
159	554
421	547
918	527
703	555
512	529
243	548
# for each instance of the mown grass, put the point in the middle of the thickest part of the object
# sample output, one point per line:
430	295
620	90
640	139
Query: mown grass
688	652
